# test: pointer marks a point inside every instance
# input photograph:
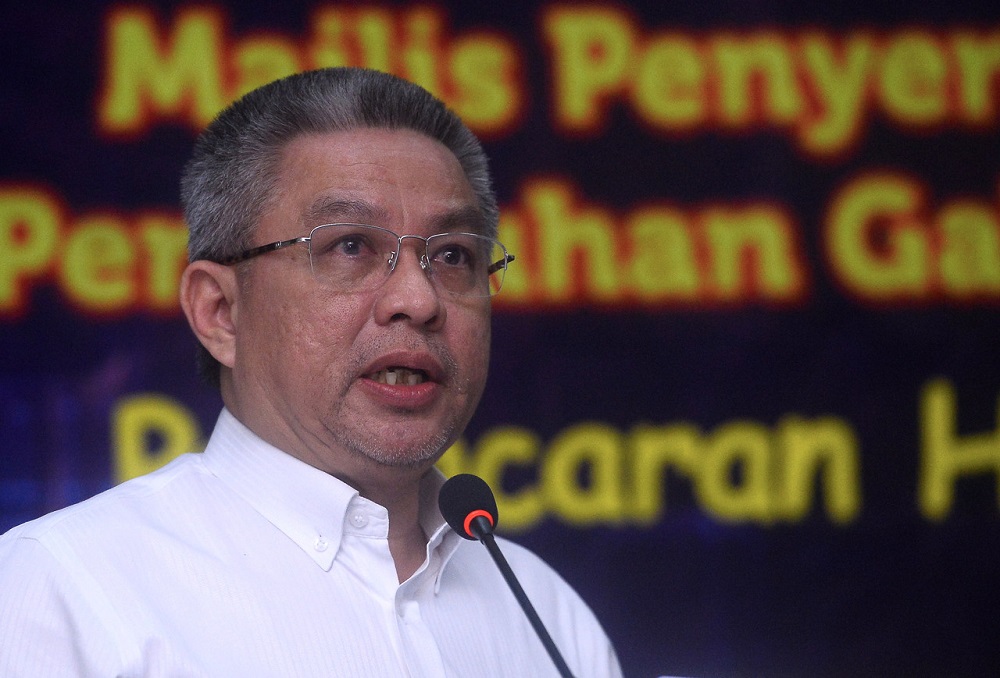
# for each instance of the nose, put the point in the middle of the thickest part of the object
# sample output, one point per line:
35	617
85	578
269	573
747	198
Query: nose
409	295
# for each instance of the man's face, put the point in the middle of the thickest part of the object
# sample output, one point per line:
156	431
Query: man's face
314	366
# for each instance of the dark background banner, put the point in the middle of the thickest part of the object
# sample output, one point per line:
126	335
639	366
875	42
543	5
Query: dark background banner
745	393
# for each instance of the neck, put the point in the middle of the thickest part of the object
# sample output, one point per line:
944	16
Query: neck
397	489
407	541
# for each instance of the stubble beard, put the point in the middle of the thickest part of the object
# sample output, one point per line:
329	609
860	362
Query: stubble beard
383	445
422	453
371	443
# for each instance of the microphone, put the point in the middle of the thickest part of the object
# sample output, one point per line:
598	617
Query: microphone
468	504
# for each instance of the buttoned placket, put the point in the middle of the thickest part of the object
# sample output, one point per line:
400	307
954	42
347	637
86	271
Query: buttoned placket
365	549
420	648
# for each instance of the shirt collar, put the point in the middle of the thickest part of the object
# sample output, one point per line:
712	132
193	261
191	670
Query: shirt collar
310	506
440	536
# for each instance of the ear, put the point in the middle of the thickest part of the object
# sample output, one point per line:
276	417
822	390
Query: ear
209	299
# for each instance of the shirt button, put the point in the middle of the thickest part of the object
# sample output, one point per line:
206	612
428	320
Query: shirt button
321	544
359	519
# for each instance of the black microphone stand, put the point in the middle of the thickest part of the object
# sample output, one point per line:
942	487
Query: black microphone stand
484	532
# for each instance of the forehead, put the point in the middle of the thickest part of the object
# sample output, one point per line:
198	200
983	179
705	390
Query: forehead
398	179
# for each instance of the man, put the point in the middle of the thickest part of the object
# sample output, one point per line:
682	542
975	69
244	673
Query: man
343	254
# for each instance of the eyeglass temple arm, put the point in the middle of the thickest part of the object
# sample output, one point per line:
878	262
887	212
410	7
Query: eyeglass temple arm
496	266
263	249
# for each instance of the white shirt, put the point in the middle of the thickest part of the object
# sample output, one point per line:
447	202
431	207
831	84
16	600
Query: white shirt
244	561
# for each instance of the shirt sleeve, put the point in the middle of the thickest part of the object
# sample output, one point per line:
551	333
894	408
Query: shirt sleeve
45	627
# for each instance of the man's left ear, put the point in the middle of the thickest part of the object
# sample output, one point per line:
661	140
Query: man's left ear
209	298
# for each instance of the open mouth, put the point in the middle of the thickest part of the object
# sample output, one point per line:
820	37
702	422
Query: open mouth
402	376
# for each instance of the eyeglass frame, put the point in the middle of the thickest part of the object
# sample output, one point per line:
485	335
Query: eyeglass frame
425	264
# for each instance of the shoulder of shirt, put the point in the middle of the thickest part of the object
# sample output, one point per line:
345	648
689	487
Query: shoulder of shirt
525	562
114	499
544	585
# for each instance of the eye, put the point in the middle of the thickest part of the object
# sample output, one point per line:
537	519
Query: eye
454	255
351	245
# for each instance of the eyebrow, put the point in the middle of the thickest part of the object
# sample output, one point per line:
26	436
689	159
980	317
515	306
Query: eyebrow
327	209
467	218
332	210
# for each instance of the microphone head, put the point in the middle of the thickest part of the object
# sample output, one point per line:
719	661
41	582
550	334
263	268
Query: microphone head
465	498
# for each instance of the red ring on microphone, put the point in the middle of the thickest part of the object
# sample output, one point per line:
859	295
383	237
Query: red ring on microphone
473	515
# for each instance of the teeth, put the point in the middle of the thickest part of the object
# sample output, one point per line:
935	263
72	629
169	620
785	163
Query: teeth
399	375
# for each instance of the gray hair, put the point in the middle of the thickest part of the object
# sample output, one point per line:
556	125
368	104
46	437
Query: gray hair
231	175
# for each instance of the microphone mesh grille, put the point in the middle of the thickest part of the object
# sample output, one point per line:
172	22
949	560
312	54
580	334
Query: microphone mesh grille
463	494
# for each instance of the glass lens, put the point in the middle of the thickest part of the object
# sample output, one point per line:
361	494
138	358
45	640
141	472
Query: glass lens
467	264
356	258
351	257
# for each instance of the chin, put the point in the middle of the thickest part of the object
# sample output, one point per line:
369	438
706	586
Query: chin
416	452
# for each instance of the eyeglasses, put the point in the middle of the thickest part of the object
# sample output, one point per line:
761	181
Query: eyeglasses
359	258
